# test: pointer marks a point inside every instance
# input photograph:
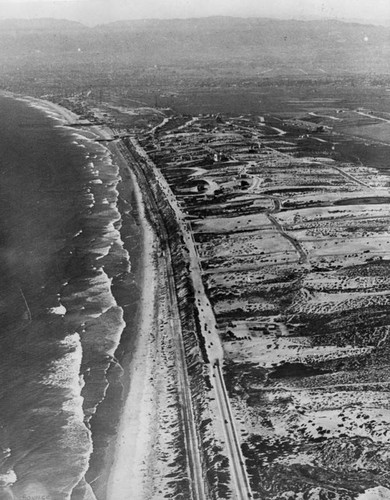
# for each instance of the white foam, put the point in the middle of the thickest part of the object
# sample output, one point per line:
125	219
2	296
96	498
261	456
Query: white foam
80	136
100	286
90	197
60	310
64	372
74	405
8	478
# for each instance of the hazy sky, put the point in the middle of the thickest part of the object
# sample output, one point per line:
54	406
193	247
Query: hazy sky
100	11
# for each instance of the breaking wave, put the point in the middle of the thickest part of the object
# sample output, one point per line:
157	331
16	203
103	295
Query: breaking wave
60	250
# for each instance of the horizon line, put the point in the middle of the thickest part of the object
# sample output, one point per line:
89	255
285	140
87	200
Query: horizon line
375	22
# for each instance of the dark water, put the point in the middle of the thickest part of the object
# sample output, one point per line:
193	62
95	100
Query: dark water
59	249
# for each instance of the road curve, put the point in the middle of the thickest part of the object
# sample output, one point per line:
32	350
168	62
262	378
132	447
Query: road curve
297	245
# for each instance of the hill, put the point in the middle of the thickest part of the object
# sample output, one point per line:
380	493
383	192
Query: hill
250	46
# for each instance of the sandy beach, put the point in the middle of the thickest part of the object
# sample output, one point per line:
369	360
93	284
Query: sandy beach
136	426
145	455
125	468
134	437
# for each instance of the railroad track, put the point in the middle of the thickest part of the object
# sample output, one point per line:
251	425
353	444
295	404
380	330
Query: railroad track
192	448
240	479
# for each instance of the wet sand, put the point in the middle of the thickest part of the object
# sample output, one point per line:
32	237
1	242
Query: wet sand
125	472
134	439
122	473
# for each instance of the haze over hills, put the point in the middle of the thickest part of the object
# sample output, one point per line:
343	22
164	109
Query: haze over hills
37	25
285	47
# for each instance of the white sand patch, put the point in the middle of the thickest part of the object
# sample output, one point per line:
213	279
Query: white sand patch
378	493
321	302
322	413
327	282
269	351
268	241
126	472
306	215
60	310
231	224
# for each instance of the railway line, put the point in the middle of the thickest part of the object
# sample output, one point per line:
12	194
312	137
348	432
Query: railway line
240	480
192	447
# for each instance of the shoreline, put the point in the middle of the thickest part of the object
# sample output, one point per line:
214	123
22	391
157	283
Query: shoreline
60	295
131	443
47	106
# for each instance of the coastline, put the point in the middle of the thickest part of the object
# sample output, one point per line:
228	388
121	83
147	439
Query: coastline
133	441
125	454
124	466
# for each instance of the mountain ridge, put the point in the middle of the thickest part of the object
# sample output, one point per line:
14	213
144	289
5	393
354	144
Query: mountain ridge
42	23
254	44
49	23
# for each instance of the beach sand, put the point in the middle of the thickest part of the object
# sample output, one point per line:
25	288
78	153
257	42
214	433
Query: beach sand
124	473
142	459
134	438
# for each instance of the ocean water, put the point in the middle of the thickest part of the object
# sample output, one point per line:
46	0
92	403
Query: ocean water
60	250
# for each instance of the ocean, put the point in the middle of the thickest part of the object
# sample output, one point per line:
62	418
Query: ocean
60	324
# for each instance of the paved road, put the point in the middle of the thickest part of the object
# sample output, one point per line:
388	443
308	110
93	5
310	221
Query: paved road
238	471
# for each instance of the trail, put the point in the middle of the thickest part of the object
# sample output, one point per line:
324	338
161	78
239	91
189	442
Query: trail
297	245
352	178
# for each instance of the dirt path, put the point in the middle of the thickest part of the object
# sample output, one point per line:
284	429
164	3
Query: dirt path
297	245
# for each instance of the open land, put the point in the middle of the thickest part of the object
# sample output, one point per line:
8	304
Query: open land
260	367
257	364
271	272
294	255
